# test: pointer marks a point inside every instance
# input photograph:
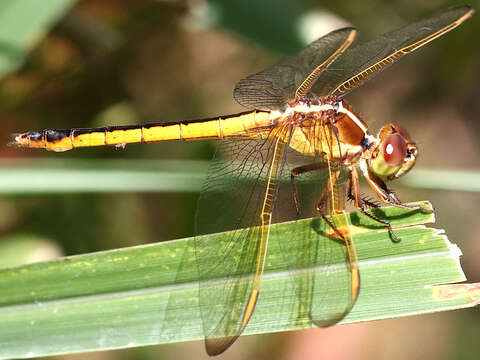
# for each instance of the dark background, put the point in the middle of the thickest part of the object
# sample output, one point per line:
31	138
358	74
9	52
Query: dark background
113	62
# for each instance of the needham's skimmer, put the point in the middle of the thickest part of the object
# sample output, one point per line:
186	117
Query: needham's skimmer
297	154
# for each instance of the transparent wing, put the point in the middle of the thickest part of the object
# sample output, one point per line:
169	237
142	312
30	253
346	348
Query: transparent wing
275	86
359	64
238	195
325	271
247	182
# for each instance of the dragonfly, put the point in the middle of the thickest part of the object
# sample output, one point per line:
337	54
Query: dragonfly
298	152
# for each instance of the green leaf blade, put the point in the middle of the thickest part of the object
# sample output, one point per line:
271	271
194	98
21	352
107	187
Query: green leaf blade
136	296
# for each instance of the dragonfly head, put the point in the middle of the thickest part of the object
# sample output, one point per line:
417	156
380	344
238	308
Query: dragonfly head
396	152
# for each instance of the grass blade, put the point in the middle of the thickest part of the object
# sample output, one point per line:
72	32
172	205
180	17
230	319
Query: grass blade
41	176
120	298
443	179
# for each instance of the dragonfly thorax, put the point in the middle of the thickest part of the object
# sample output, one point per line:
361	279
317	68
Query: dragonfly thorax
326	127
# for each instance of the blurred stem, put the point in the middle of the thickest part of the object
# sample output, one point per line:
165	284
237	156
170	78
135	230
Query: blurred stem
94	176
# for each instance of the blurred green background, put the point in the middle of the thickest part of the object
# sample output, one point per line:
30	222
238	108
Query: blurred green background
92	63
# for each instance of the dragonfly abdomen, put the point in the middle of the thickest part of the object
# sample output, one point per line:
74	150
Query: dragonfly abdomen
212	128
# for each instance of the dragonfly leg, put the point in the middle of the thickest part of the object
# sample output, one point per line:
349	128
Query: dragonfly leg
334	228
395	201
325	192
353	188
385	194
323	199
298	171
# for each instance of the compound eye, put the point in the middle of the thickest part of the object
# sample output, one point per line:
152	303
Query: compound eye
394	150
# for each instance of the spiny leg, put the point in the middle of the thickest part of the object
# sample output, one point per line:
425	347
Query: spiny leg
395	201
386	195
353	189
334	228
324	198
326	191
298	171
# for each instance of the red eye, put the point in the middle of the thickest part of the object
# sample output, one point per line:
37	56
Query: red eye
400	130
394	149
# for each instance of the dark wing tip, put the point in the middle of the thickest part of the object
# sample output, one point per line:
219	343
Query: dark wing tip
468	12
468	8
216	347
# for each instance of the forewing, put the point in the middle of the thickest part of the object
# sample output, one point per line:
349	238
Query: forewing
241	174
325	271
359	64
275	86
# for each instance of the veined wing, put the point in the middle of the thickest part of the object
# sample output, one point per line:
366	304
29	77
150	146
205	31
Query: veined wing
238	195
326	273
293	75
359	64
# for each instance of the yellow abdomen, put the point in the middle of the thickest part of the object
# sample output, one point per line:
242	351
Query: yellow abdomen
213	128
